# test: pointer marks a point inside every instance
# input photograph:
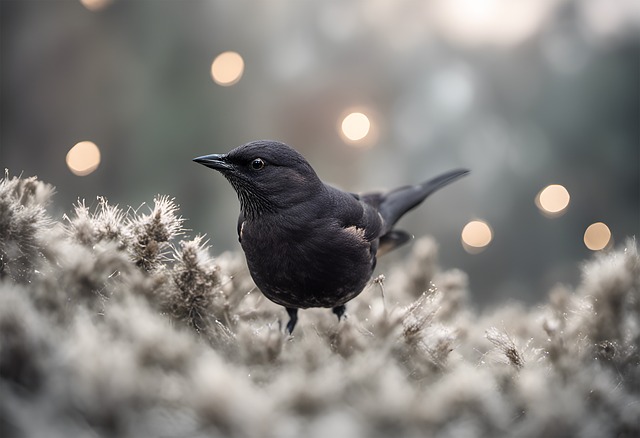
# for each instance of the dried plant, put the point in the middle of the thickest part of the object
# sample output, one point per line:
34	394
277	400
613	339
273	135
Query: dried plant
22	218
112	326
150	234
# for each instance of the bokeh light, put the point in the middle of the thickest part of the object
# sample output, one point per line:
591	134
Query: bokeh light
605	18
95	5
597	236
496	22
553	200
513	90
227	68
476	235
83	158
355	126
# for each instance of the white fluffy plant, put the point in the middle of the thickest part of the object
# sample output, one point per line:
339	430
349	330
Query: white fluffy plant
110	325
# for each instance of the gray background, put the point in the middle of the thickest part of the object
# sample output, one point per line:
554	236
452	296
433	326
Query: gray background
529	95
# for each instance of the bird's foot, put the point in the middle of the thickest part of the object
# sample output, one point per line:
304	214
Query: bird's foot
293	319
339	311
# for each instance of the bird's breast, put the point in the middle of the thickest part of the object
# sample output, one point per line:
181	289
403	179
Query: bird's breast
312	264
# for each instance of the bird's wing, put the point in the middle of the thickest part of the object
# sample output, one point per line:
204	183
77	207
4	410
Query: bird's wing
353	211
389	239
371	198
371	221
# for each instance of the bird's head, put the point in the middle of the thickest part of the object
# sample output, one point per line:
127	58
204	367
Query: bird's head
266	175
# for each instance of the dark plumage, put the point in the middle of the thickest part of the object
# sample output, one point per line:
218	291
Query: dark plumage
308	244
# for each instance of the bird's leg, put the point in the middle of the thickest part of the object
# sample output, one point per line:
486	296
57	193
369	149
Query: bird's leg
293	319
339	311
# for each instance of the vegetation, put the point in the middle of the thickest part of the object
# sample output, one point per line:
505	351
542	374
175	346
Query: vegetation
110	325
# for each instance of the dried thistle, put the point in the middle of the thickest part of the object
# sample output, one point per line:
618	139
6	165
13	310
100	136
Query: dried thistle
420	314
503	342
81	226
105	224
23	222
82	351
196	278
151	233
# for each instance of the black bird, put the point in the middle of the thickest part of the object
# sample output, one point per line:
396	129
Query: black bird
308	244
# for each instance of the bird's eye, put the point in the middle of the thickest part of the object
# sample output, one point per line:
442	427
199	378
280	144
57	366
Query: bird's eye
257	164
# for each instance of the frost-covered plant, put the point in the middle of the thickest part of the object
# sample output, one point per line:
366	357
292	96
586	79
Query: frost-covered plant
196	298
22	218
105	224
111	327
151	233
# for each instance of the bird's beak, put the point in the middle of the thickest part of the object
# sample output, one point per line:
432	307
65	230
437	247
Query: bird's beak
215	161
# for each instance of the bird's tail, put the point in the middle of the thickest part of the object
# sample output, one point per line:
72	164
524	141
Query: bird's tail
394	204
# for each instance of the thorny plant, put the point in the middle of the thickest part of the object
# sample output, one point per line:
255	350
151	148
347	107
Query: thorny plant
109	327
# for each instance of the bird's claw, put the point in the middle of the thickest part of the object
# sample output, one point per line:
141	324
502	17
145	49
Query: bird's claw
293	319
339	311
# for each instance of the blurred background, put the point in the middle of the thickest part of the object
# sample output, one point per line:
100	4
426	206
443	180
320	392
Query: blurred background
539	98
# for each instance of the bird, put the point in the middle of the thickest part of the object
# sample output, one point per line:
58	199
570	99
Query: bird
307	243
